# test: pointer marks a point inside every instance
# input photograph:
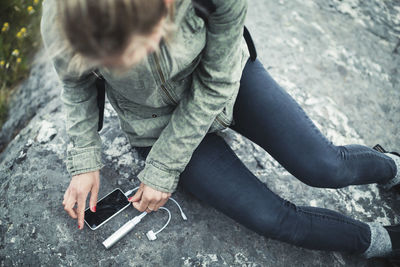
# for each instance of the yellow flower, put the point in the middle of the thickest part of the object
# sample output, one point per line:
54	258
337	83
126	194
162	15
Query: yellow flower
30	9
18	60
5	27
2	62
15	52
35	2
21	33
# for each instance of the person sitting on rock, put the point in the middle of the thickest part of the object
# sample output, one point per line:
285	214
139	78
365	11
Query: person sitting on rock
176	80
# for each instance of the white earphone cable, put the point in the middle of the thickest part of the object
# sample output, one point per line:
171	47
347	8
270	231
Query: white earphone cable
165	225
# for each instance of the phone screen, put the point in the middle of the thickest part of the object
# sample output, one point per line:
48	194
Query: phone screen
106	208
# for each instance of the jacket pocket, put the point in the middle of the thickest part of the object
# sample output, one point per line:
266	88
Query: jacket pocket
135	111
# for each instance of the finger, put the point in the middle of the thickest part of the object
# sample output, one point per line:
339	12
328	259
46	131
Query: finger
75	209
162	203
69	204
144	203
136	205
81	211
137	196
66	195
93	197
148	210
157	204
153	206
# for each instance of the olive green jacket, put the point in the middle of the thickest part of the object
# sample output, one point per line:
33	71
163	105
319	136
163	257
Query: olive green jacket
169	101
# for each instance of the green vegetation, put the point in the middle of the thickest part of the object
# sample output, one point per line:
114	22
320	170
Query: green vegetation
19	41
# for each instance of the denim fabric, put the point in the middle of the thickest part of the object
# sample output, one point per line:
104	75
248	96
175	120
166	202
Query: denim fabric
270	117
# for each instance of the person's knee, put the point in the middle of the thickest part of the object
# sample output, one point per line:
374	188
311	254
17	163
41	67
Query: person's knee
281	224
272	222
324	172
266	224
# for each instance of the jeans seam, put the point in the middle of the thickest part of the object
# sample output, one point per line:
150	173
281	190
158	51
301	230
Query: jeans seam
284	202
364	154
328	217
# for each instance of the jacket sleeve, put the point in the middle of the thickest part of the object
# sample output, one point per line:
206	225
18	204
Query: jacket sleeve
215	79
79	97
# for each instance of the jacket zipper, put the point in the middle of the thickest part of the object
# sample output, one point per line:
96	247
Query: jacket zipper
166	91
162	78
99	76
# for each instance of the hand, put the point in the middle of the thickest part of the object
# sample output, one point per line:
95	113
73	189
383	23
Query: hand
77	192
148	199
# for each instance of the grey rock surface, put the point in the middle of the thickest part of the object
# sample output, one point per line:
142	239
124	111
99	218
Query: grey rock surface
338	59
27	100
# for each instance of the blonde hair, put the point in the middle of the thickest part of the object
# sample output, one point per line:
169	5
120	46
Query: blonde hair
93	29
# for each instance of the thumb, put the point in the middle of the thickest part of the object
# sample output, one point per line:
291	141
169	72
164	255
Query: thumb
93	198
137	196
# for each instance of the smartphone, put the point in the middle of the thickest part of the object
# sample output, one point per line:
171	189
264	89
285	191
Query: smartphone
106	208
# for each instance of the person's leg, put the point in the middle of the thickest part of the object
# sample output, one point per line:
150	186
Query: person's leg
267	115
216	176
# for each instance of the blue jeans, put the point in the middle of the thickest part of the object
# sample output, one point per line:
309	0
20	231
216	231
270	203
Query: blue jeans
271	118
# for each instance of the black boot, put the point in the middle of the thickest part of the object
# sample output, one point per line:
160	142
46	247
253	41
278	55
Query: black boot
396	180
379	148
